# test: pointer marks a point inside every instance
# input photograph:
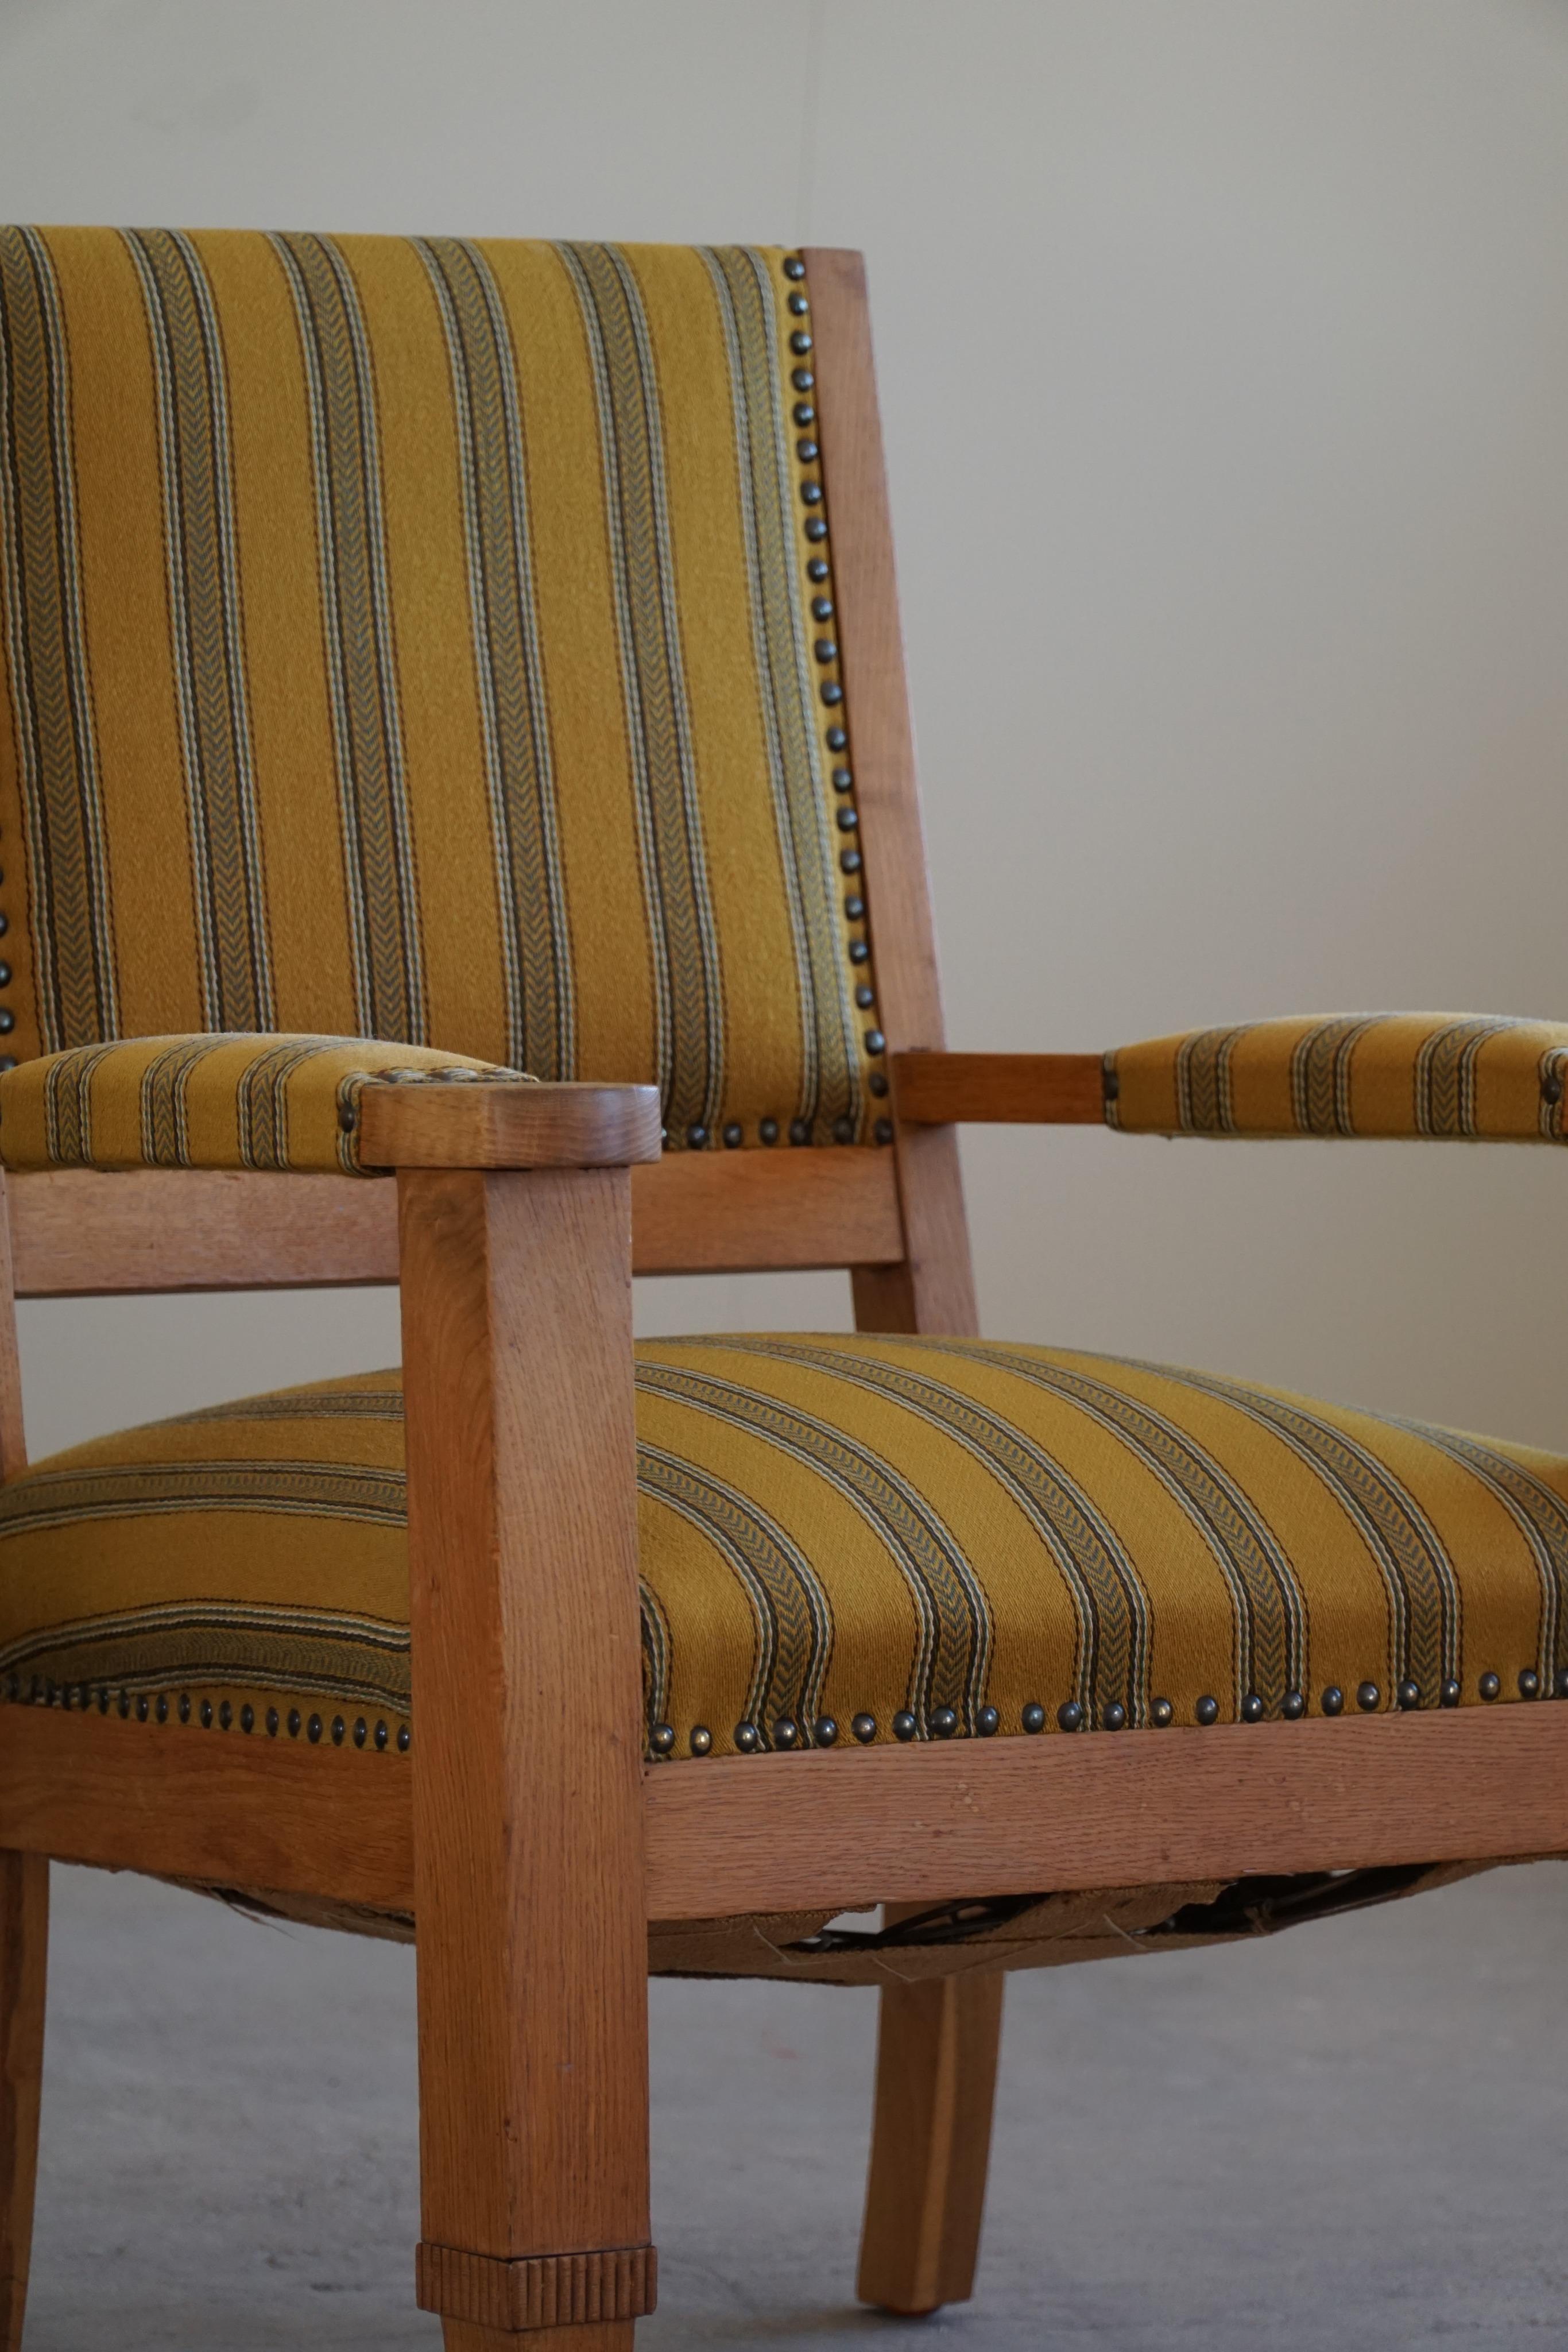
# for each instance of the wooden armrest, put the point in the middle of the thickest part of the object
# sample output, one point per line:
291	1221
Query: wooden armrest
525	1126
305	1105
1428	1075
1019	1089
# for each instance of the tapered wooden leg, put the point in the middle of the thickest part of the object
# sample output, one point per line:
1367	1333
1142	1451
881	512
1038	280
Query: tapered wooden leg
24	1943
24	1925
527	1756
936	2080
937	2043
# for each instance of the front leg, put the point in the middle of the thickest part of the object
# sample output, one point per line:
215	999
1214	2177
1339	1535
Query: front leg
23	1926
526	1757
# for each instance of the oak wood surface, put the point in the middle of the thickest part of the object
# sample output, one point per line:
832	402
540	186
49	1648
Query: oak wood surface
556	1125
937	2054
731	1836
1013	1815
527	1693
24	1927
232	1810
932	1288
1024	1089
543	2291
81	1233
13	1436
755	1212
24	1942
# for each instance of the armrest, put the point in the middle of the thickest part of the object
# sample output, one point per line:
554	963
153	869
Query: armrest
349	1106
537	1126
1015	1089
1434	1074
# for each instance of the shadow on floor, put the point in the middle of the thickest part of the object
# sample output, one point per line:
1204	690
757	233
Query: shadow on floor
1355	2130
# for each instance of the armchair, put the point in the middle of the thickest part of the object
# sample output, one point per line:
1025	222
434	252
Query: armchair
457	808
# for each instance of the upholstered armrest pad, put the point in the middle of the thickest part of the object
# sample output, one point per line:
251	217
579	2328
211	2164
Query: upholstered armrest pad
1390	1074
224	1101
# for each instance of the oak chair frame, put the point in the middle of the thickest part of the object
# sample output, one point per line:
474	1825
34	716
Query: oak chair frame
514	1228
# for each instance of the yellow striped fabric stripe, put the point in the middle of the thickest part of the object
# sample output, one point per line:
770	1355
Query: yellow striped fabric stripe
213	1100
1374	1074
846	1538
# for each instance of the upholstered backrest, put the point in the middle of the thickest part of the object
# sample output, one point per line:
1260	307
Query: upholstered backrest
432	641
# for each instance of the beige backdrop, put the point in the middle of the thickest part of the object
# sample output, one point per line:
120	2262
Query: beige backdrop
1224	363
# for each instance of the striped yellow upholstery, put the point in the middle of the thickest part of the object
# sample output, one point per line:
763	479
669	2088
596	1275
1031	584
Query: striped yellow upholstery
1389	1074
413	639
898	1537
211	1101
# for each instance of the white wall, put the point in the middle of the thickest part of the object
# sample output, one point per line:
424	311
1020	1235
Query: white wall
1224	370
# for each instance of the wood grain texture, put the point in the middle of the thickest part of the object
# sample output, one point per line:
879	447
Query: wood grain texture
936	2051
23	1947
556	1125
82	1233
756	1212
731	1836
527	1699
78	1231
546	2291
13	1437
937	2045
180	1803
1019	1089
1013	1816
933	1289
23	1927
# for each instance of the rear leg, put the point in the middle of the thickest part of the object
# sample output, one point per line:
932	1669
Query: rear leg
23	1944
935	2081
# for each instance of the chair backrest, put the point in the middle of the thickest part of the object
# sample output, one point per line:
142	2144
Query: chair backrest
435	641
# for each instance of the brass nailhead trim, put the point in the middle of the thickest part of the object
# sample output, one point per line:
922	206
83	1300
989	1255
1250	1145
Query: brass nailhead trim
537	2290
79	1698
830	692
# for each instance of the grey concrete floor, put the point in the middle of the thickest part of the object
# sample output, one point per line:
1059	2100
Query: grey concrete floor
1358	2132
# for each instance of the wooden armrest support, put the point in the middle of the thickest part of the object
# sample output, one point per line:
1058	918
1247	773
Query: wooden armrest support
1019	1089
525	1126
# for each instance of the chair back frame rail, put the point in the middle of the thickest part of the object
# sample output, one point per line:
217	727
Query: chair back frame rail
79	1233
535	2217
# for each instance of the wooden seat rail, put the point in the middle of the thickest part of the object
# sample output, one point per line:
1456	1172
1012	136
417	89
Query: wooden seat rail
735	1834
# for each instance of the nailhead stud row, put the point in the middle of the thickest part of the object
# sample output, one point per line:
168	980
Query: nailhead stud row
81	1698
831	693
943	1722
768	1130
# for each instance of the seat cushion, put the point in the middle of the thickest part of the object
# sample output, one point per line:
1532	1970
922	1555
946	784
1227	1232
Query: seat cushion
842	1538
